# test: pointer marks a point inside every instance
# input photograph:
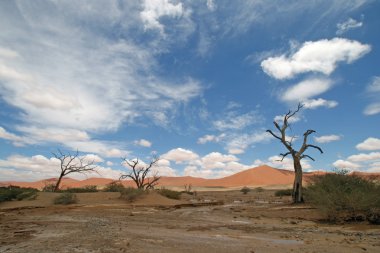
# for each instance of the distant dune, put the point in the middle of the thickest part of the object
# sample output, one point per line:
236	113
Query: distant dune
263	176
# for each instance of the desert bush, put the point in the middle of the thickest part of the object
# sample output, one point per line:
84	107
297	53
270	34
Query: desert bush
48	188
66	198
114	186
343	197
14	192
87	188
245	190
259	189
131	194
285	192
169	193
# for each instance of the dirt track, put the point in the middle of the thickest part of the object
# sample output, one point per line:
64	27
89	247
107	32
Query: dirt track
257	222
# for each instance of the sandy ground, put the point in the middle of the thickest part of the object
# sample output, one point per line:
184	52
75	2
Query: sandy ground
100	222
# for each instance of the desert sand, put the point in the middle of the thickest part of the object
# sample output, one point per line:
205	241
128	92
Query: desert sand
262	176
224	221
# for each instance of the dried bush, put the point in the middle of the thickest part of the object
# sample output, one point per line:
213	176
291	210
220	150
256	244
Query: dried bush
169	193
66	198
87	188
245	190
114	186
48	188
343	197
285	192
14	192
131	194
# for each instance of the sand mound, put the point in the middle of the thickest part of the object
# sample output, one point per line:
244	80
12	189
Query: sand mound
155	199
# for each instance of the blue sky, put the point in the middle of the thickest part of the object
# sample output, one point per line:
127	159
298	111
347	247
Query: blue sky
195	82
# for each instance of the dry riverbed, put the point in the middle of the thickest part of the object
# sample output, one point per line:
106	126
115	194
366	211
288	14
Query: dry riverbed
100	222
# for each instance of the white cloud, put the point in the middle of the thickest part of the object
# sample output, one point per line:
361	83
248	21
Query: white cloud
210	138
315	56
320	102
92	158
236	151
143	143
155	9
280	119
180	155
372	109
373	90
217	160
16	140
238	143
347	25
233	121
364	157
211	5
327	138
370	143
342	164
307	89
287	163
109	163
374	86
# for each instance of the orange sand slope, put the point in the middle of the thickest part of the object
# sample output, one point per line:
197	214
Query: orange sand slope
259	176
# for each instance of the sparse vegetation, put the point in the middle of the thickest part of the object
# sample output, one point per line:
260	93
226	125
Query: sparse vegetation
282	193
343	197
131	194
114	186
19	193
141	173
245	190
87	188
169	193
48	188
188	189
66	198
259	189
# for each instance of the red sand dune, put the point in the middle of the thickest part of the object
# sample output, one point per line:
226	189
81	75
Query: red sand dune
259	176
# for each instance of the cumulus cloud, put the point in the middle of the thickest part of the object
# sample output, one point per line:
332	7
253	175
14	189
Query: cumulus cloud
217	160
307	89
372	109
342	164
155	9
238	143
143	143
320	102
280	119
370	143
320	56
286	163
364	157
327	138
211	5
180	155
347	25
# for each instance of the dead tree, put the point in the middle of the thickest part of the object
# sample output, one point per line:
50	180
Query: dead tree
140	173
296	155
72	163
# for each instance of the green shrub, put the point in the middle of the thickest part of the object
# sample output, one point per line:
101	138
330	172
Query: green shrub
14	192
169	193
245	190
131	194
343	197
285	192
87	188
114	186
66	198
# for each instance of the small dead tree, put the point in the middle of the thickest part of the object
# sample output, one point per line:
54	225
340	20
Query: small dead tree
72	163
296	155
140	173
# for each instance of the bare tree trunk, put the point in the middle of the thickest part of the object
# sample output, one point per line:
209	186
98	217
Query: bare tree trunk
56	188
297	186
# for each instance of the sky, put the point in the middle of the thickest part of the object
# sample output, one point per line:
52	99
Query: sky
196	83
